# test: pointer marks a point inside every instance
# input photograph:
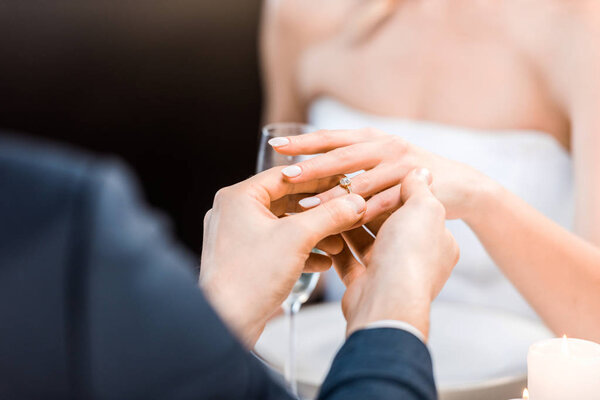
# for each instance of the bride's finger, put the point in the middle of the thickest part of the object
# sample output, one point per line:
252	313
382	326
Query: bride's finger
379	205
345	160
271	185
390	200
365	184
322	141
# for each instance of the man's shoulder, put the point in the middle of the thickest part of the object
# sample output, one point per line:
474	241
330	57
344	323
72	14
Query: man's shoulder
43	183
37	165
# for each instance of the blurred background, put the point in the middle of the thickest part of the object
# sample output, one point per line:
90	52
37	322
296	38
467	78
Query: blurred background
172	87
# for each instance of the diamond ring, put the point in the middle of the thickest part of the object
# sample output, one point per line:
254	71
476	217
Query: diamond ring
346	183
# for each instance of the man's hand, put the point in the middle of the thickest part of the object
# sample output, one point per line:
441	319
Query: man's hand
405	268
252	257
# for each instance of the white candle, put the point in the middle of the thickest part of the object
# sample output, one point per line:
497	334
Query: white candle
561	369
525	395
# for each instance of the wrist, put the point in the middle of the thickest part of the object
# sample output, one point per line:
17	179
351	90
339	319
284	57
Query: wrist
234	313
413	311
395	324
481	194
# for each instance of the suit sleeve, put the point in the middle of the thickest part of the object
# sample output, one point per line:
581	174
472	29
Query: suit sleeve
382	363
143	329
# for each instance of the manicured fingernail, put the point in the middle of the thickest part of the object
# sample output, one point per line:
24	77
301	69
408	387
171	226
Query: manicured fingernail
279	141
357	202
291	171
310	202
423	173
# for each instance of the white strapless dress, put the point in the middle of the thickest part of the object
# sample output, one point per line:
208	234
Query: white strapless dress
531	164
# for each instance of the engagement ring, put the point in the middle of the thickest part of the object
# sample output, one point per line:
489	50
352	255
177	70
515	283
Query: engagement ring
346	183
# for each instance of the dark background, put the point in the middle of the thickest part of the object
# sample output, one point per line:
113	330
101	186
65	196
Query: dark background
170	86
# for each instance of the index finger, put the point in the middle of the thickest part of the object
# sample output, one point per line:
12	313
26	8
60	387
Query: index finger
344	160
322	140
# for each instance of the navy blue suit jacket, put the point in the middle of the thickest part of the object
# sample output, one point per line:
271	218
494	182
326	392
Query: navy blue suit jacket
98	302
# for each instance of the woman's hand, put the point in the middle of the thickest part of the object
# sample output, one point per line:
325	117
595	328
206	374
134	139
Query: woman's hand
252	257
386	160
405	268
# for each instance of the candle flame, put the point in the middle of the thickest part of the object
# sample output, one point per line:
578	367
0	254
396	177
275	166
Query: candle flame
565	345
525	394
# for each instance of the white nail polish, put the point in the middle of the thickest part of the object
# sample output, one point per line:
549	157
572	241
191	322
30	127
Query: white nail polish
424	173
310	202
279	141
291	171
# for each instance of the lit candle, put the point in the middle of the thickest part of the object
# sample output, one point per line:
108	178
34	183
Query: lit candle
525	395
560	369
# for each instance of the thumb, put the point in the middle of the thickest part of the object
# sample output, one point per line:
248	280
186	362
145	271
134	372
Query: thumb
416	183
330	218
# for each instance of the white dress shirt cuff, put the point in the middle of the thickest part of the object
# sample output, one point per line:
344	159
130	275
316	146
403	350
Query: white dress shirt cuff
390	323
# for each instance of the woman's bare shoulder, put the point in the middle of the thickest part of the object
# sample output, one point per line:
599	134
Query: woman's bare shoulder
573	62
289	28
306	21
562	38
579	40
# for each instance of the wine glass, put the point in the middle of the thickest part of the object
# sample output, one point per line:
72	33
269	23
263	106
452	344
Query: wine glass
304	286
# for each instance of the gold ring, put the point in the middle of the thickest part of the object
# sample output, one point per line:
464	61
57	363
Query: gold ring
346	183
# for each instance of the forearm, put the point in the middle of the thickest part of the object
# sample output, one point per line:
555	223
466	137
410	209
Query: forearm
557	272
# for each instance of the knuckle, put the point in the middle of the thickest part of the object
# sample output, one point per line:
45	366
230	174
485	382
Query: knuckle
399	145
222	194
387	202
207	217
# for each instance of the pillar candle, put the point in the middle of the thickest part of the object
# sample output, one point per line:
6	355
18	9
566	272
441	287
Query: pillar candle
561	369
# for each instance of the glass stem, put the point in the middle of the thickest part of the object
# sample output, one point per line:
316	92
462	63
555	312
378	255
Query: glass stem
290	362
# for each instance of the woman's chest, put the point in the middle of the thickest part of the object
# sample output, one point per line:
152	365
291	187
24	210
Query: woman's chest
469	76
